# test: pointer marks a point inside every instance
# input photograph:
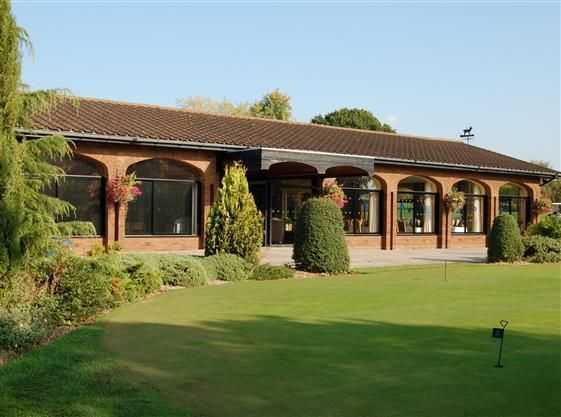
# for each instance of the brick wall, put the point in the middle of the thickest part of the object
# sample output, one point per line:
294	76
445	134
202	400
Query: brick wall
115	159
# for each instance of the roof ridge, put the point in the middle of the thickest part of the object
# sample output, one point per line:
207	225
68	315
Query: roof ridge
265	120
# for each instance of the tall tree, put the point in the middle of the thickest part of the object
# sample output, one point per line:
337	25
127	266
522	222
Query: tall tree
551	190
352	118
209	105
273	105
27	216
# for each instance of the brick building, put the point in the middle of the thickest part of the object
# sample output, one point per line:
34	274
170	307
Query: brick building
395	183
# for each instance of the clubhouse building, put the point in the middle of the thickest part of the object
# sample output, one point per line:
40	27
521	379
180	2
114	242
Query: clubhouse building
395	184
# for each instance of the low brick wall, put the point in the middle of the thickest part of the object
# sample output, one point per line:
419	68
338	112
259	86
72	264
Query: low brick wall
160	243
365	241
81	245
467	241
416	241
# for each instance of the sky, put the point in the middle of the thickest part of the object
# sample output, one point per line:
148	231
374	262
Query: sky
429	69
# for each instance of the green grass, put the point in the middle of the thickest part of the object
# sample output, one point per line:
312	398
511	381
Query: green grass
385	342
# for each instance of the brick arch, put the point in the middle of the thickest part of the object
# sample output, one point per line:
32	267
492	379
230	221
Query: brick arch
101	166
439	185
529	192
196	170
486	187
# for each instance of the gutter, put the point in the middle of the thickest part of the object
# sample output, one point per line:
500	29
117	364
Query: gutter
113	139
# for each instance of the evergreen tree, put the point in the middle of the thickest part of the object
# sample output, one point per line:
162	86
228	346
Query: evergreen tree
27	216
234	224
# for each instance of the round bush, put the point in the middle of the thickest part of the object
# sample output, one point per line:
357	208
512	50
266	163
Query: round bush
505	242
266	272
185	271
548	226
231	267
319	238
541	249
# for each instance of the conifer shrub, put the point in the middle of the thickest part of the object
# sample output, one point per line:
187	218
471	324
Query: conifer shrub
505	242
234	224
231	267
319	239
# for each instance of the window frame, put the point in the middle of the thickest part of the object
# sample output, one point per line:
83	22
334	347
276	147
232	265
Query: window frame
102	200
484	198
356	191
436	228
195	203
510	198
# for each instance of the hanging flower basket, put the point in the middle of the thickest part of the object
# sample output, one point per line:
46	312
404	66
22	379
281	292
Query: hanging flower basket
123	189
334	192
542	206
454	200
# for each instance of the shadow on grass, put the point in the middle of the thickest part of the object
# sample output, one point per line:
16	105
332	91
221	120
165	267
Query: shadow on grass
274	366
74	377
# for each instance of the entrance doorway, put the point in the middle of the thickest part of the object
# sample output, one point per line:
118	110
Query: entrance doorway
279	201
286	204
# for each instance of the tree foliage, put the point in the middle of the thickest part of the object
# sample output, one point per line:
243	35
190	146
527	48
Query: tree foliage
352	118
273	105
551	190
27	215
319	238
234	224
208	105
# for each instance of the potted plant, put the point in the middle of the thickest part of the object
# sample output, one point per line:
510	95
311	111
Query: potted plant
542	206
454	200
334	192
123	189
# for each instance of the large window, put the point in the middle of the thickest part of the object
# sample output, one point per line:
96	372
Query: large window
417	206
362	211
514	200
83	187
169	201
471	217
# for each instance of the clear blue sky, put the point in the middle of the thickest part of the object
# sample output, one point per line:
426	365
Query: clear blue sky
428	69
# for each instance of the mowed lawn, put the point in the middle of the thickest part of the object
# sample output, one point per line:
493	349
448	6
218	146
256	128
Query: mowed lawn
383	342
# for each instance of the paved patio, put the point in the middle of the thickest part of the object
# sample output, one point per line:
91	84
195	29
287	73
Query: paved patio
368	257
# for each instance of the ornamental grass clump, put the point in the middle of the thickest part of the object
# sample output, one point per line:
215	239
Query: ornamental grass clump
319	239
505	242
234	224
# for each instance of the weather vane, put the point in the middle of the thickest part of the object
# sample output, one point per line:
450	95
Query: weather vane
467	135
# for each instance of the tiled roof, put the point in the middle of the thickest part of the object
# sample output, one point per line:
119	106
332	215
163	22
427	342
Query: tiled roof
110	118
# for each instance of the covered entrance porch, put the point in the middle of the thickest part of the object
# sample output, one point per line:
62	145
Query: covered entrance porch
281	181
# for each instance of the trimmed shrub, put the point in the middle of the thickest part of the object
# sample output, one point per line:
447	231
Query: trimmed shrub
548	226
143	275
505	242
231	267
84	288
319	239
541	249
266	272
234	224
185	271
76	228
23	326
209	263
